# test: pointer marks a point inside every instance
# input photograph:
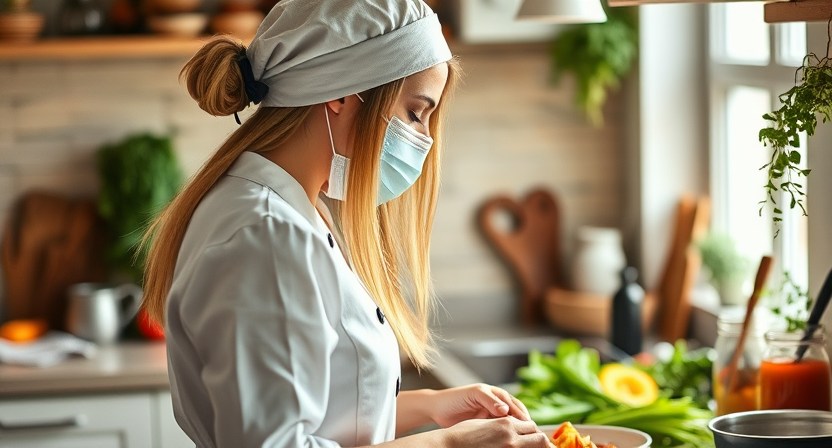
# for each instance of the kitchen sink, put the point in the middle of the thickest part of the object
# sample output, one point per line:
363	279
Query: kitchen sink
494	359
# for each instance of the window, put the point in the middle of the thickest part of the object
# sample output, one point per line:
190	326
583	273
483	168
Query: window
751	63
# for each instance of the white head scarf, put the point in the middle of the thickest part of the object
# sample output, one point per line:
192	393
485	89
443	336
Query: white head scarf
312	51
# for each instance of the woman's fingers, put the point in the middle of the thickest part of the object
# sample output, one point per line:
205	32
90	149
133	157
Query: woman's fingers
535	440
524	427
493	403
516	408
522	407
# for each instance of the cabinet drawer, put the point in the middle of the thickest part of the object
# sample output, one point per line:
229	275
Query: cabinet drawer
103	421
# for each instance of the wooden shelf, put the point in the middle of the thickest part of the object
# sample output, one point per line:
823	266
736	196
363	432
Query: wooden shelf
101	47
615	3
798	11
776	12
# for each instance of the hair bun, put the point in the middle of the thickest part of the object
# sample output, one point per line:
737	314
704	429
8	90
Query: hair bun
213	77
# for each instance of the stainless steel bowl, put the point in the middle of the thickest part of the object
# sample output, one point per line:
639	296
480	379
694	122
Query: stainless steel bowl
788	428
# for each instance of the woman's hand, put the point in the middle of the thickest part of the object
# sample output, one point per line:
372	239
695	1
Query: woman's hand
505	432
477	401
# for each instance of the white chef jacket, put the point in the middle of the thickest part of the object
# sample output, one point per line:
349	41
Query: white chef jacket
272	339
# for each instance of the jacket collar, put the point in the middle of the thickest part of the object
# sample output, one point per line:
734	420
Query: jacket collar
260	170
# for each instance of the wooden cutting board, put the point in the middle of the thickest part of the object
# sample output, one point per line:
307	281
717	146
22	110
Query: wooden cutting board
682	265
49	242
530	245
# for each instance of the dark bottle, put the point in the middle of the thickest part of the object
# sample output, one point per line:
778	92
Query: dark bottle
626	313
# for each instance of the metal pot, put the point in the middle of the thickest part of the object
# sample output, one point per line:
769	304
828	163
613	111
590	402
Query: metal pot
788	428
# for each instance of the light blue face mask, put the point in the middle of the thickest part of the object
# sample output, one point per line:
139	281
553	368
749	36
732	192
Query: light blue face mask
403	153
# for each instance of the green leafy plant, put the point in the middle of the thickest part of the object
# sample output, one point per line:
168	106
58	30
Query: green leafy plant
724	262
139	176
801	105
791	304
599	56
687	373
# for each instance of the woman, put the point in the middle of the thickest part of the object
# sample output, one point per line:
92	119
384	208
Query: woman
284	320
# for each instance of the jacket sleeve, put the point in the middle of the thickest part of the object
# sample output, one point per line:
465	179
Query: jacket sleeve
265	335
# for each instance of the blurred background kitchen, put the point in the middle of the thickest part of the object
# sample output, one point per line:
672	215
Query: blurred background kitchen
661	174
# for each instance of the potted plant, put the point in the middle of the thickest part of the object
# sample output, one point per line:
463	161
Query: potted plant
139	176
599	55
727	267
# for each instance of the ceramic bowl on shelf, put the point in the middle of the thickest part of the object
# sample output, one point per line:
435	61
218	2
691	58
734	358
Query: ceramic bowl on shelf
172	6
242	25
616	435
788	428
20	26
178	25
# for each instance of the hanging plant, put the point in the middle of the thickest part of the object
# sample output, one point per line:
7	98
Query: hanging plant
801	105
599	55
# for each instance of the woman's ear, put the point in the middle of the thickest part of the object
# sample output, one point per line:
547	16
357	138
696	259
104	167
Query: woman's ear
335	106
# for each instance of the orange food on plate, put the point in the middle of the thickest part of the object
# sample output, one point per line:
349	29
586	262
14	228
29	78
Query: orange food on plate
23	330
566	436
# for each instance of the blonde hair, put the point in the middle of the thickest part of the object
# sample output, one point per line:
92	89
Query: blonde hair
389	245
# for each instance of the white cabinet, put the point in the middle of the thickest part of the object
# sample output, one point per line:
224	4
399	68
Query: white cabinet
169	433
127	420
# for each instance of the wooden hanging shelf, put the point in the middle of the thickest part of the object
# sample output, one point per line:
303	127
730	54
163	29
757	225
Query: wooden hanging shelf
659	2
798	11
780	11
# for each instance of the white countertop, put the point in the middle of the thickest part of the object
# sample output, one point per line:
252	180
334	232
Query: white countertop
131	365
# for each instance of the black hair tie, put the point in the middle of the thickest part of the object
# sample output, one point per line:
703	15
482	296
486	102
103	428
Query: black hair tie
255	90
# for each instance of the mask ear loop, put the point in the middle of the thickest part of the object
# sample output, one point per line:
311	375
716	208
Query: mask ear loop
329	130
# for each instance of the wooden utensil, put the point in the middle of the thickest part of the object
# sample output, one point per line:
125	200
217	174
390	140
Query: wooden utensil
759	283
531	247
681	267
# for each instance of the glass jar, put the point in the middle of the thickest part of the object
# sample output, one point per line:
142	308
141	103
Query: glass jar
789	383
737	394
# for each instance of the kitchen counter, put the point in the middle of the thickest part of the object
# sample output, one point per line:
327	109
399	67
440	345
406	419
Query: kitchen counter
136	365
122	367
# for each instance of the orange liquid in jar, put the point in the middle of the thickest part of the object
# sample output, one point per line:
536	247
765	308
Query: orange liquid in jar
785	384
743	397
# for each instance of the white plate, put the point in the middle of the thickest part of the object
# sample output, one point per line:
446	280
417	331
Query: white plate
620	437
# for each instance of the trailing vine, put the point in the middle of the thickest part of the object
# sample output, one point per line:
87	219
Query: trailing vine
801	105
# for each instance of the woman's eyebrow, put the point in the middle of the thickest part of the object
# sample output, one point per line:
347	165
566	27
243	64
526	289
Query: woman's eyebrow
427	99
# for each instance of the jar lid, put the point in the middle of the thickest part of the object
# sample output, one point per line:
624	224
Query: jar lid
817	332
730	322
590	233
